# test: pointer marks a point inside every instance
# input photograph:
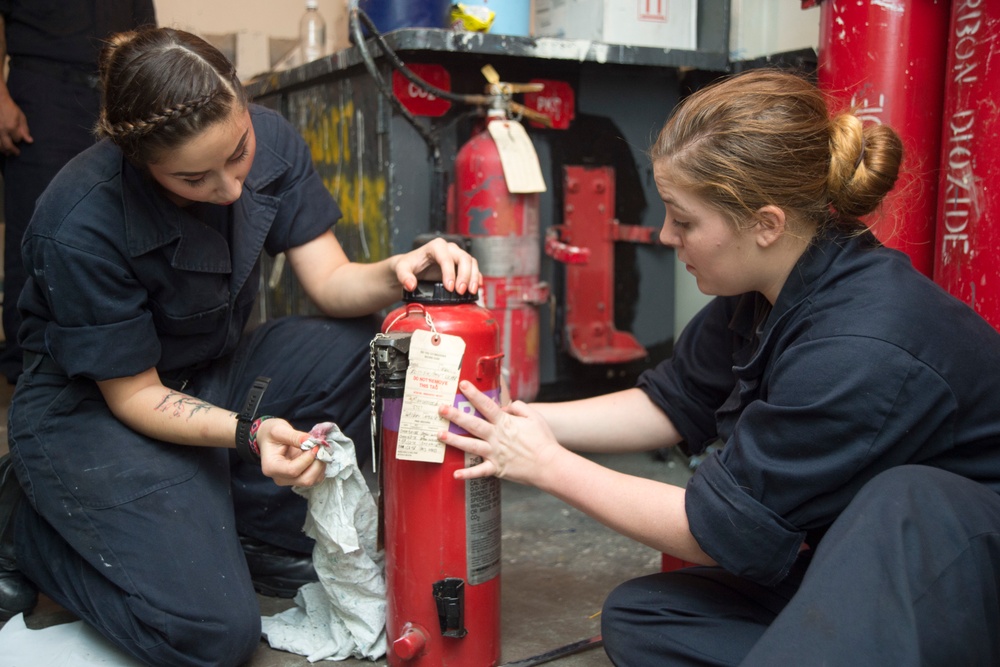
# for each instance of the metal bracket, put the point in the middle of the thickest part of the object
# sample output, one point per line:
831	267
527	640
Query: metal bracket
585	243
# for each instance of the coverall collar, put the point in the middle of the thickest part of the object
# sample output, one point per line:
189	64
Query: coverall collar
153	221
755	321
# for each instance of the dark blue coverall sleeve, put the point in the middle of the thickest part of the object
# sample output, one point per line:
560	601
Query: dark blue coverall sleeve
692	384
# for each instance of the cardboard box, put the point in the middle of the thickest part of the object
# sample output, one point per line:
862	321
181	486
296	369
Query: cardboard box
664	24
765	27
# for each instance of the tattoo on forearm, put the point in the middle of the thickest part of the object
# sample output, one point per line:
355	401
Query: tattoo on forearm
181	405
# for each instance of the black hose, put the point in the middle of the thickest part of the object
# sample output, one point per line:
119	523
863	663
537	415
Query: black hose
399	65
439	203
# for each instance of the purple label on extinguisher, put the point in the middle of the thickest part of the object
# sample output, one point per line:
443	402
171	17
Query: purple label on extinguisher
463	404
392	408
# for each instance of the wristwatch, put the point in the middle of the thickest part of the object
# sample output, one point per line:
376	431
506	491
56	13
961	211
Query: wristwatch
245	419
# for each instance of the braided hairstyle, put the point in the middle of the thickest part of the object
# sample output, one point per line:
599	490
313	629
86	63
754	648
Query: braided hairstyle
162	87
766	137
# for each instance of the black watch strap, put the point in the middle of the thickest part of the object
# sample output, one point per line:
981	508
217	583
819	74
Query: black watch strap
245	419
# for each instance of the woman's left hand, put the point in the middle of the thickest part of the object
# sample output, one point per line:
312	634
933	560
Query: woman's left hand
457	269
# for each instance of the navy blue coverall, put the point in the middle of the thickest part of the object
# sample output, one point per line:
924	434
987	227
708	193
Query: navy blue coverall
53	47
858	483
136	536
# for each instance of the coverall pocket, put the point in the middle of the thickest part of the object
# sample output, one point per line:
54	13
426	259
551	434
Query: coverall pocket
206	321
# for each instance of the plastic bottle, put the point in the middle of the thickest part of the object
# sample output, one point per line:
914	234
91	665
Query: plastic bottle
312	33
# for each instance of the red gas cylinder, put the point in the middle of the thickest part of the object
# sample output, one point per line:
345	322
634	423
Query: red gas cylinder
969	197
886	60
441	536
504	230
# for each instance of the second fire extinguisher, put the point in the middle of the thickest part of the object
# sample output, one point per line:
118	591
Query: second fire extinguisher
442	536
497	181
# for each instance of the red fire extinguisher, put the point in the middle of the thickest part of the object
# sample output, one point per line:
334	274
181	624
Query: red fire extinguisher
969	200
441	536
504	229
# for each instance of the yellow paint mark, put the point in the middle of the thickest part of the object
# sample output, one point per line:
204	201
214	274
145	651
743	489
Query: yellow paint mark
361	196
329	136
364	197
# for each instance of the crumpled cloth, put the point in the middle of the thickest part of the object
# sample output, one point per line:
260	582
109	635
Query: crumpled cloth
343	614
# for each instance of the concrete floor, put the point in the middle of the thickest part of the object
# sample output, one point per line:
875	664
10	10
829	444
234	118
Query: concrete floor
558	566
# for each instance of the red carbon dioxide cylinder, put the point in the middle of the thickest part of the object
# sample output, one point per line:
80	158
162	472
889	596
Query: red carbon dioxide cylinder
441	535
968	232
886	60
504	230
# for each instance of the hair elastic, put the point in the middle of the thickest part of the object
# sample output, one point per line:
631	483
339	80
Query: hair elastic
861	155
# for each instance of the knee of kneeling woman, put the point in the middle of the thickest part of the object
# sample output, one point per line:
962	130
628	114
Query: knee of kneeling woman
214	639
617	620
236	643
890	486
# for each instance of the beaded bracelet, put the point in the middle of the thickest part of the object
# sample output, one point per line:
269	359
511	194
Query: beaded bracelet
254	427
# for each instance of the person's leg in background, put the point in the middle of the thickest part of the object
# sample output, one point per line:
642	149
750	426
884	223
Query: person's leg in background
61	116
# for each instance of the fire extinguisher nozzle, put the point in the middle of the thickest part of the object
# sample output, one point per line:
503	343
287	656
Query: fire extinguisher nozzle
411	642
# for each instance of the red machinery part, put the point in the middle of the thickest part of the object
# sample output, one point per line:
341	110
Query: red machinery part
968	231
441	536
504	230
886	59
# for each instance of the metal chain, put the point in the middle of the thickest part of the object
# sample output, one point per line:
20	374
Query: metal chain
371	376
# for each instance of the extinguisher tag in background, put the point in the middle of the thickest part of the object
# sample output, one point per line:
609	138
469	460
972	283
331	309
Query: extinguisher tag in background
431	380
518	158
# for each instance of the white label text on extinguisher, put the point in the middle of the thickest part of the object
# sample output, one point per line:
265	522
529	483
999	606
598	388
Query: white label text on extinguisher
961	210
431	381
482	525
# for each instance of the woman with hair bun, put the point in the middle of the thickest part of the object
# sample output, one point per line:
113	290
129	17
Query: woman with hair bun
143	260
851	515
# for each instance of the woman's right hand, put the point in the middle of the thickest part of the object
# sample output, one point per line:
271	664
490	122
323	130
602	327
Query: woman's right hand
282	457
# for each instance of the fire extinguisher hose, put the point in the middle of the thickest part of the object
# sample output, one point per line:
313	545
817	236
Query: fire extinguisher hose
556	653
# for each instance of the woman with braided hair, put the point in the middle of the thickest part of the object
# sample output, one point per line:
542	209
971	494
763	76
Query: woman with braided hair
143	260
851	516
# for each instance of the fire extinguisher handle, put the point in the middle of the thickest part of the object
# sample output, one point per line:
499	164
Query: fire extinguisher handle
486	366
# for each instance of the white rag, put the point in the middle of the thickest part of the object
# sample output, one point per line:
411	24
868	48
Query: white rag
343	614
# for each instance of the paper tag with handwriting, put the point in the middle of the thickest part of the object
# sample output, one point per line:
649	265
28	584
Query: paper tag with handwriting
431	380
518	158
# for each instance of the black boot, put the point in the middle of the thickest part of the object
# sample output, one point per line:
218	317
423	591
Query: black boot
17	594
276	572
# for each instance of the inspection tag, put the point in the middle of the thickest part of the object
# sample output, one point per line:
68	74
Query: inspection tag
435	362
518	158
